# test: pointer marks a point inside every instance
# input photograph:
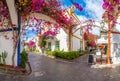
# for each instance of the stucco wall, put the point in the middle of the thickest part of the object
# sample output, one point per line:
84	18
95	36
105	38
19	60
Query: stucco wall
103	39
62	37
115	48
76	42
7	45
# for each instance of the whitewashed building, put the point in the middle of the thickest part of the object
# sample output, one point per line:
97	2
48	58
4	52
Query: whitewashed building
115	43
60	41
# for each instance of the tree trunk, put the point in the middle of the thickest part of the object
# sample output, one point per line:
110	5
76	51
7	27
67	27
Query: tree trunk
15	42
13	56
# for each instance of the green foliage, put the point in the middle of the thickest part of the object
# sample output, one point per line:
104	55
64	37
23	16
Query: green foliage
57	49
51	53
24	58
3	57
42	42
64	55
37	51
30	49
67	55
82	51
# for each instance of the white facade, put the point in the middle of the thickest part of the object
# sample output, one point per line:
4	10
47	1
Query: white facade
76	45
62	37
115	46
7	45
102	39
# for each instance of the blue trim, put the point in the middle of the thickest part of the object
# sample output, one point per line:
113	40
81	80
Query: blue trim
9	29
19	44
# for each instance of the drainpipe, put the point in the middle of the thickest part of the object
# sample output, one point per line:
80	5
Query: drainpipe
19	40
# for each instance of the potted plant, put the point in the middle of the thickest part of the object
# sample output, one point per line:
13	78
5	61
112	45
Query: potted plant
24	58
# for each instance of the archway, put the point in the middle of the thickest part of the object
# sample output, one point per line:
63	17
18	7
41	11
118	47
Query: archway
18	11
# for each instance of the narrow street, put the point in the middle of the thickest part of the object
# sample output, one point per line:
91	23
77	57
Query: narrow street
49	69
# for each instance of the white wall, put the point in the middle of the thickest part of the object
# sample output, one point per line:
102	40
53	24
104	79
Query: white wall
76	42
115	48
103	39
53	45
115	38
115	53
7	45
62	36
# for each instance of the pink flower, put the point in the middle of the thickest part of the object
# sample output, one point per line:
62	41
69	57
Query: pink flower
79	7
93	44
27	10
13	25
117	1
22	18
34	1
1	5
31	43
36	19
40	1
105	5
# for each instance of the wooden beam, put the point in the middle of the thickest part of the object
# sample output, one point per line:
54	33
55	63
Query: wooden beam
41	16
70	39
113	32
12	10
77	37
109	44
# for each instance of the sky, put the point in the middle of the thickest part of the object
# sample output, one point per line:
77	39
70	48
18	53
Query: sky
92	9
29	34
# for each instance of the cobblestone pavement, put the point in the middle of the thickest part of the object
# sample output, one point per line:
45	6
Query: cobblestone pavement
48	69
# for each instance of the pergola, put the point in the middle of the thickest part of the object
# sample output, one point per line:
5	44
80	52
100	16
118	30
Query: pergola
19	11
112	11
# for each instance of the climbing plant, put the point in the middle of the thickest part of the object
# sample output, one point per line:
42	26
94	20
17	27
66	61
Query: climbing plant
112	10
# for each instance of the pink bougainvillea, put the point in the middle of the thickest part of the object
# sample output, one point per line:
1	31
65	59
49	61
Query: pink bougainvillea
90	39
93	44
4	15
49	32
112	10
51	8
34	1
79	7
31	43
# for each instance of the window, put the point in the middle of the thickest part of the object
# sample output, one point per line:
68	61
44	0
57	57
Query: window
49	46
57	45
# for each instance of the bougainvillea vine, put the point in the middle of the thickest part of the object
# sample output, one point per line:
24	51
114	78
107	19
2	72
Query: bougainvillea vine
112	10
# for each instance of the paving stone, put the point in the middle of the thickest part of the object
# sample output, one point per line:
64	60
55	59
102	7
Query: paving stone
39	74
48	69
